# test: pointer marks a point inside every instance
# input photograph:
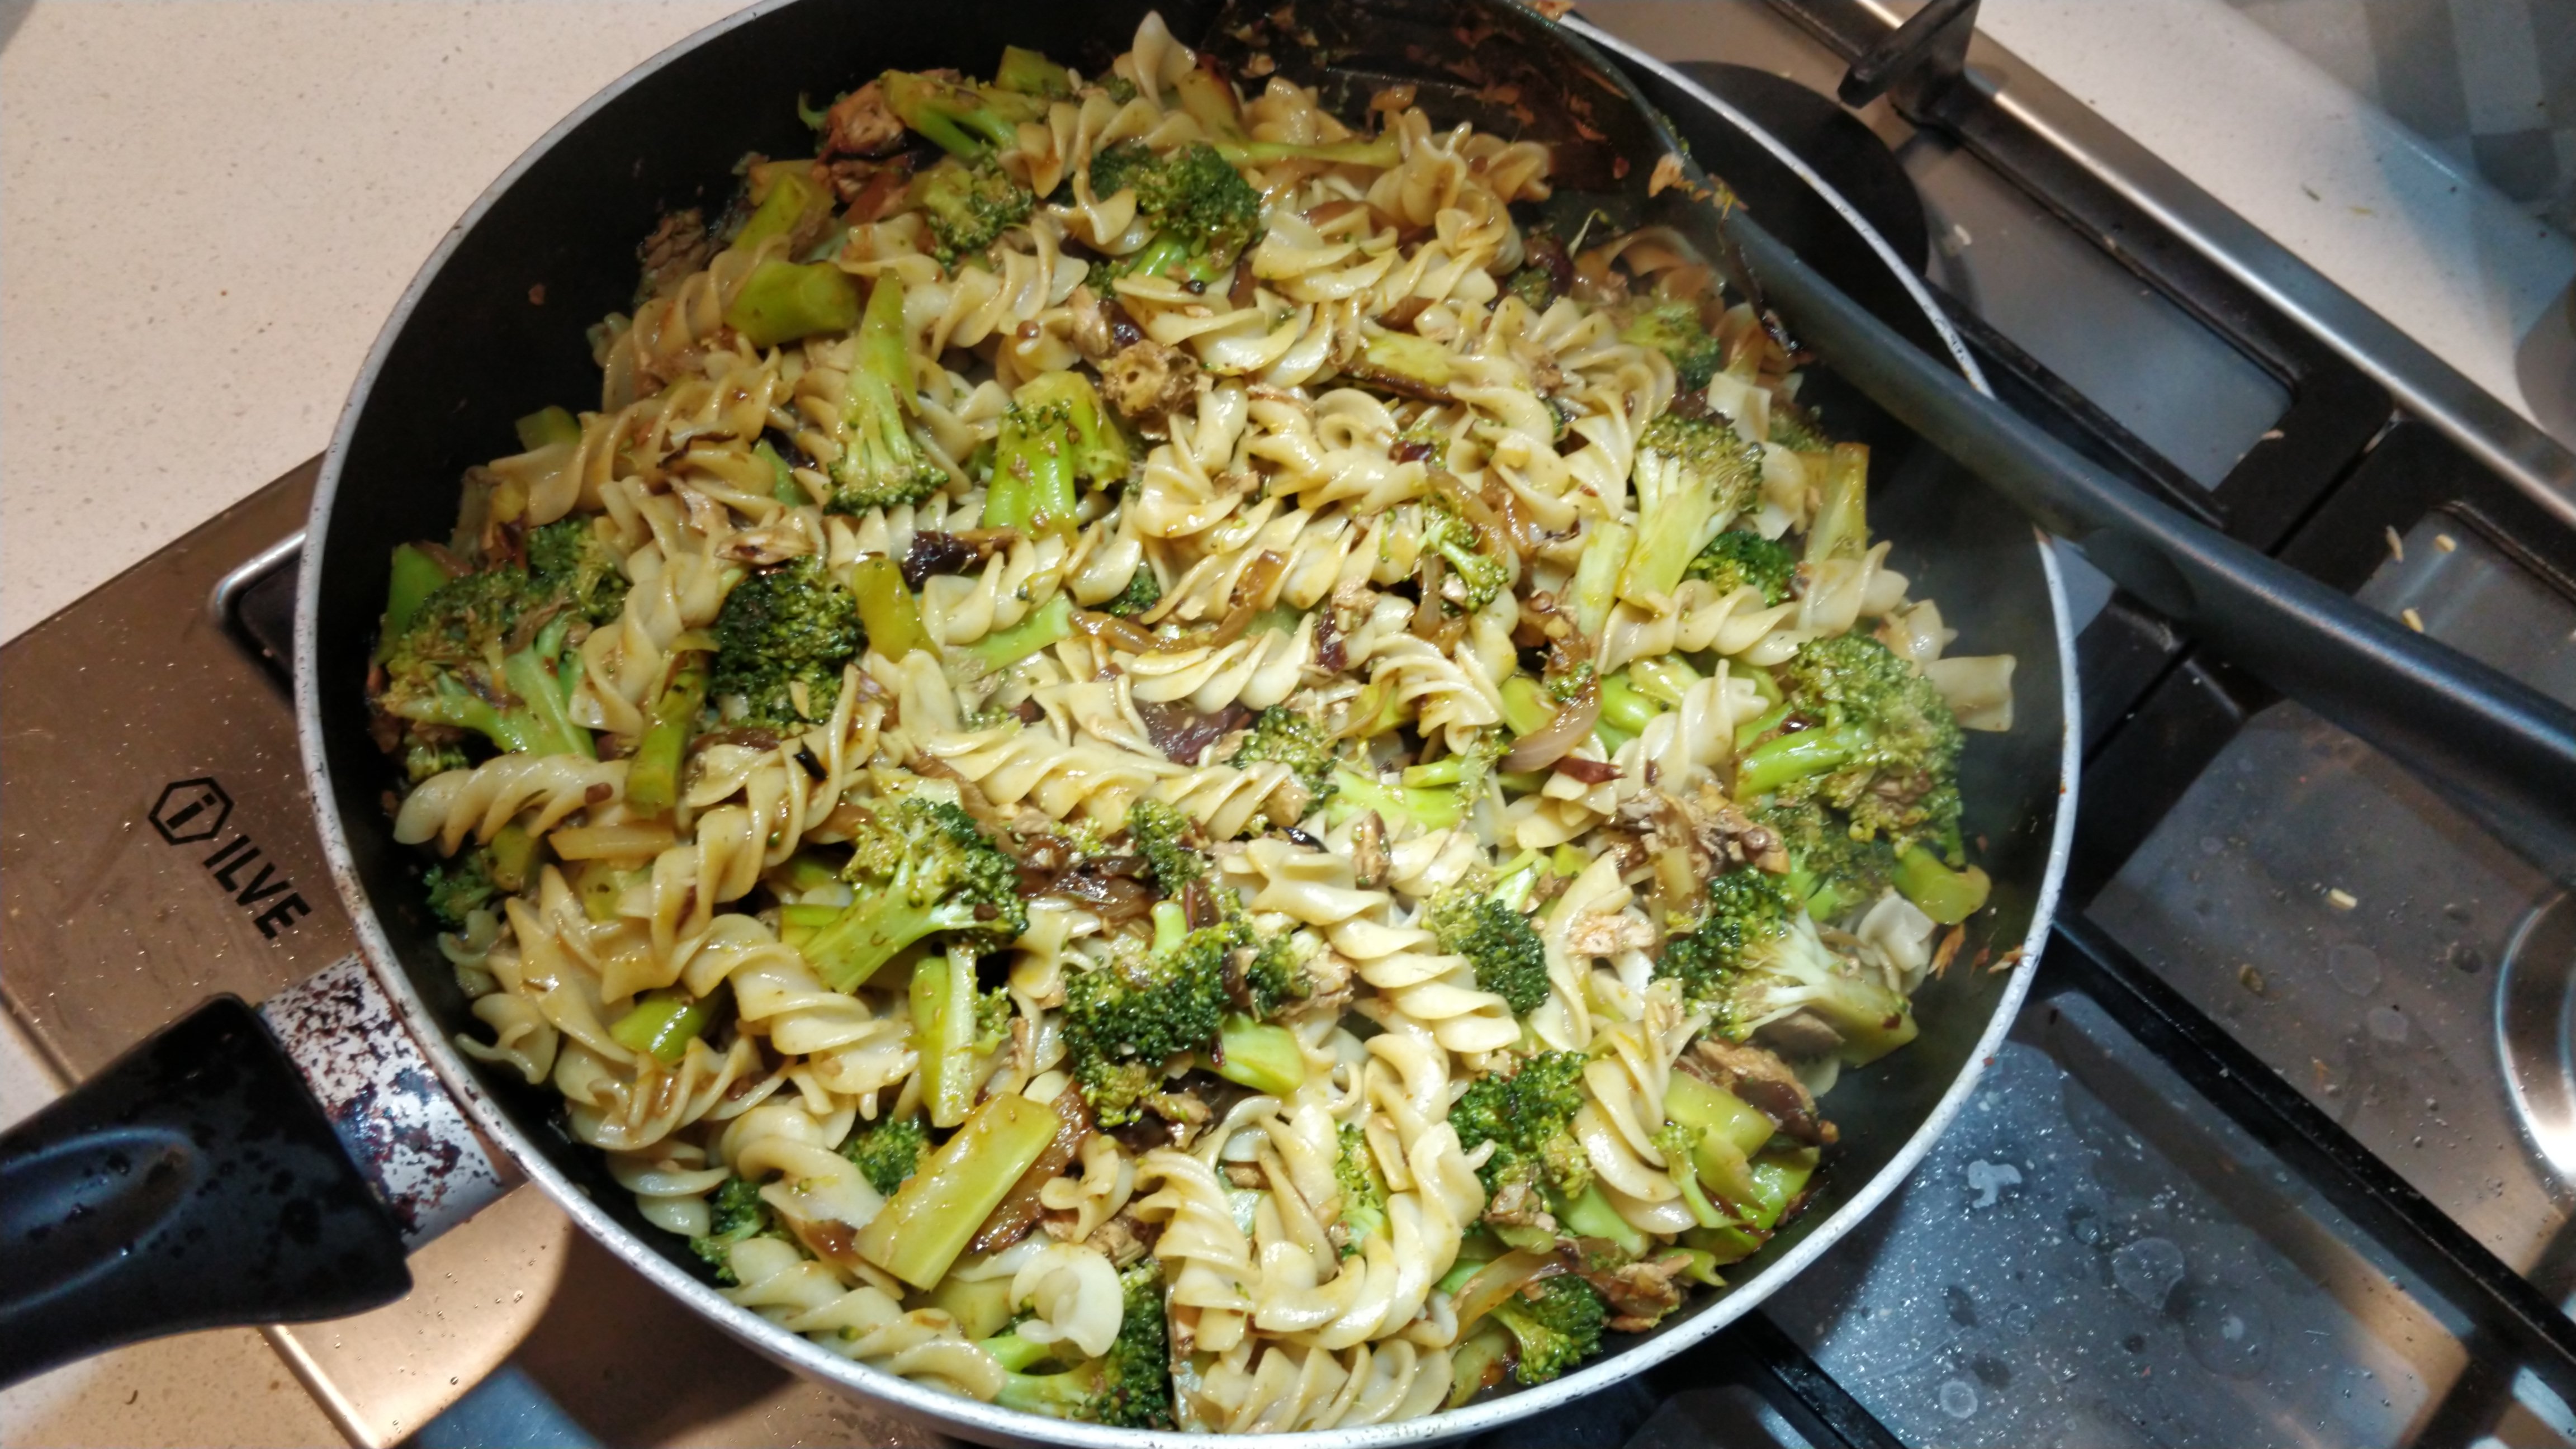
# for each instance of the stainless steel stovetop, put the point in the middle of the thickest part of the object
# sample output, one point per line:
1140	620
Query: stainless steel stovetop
2096	1254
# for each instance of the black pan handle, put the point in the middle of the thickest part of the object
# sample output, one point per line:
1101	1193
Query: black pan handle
194	1183
2500	750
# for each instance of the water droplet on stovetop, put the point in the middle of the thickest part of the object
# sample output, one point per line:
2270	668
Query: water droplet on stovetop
2231	1336
1958	1398
2354	969
2386	1023
2148	1269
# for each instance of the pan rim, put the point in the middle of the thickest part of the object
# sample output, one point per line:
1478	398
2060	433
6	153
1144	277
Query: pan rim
990	1422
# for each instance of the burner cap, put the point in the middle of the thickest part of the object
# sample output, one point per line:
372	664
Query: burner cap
2536	1029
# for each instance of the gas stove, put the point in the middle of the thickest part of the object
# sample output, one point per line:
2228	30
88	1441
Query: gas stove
2281	1153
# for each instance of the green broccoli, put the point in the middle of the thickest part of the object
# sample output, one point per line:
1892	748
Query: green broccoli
1055	436
1129	1387
1475	576
920	867
1738	557
739	1214
1125	1018
1203	213
1162	835
1276	976
1363	1190
458	887
1143	592
1497	940
1032	73
1755	957
1829	869
1529	1117
569	557
1693	475
887	1152
1557	1323
969	204
1674	329
1794	428
782	638
881	463
435	667
1840	529
965	120
1881	744
1428	807
1281	735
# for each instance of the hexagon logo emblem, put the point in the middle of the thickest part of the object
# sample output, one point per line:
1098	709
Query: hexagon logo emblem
191	810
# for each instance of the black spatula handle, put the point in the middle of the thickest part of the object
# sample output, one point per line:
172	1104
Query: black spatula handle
2500	750
194	1183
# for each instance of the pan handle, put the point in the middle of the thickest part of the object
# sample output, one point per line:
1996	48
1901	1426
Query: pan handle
2500	750
238	1167
194	1183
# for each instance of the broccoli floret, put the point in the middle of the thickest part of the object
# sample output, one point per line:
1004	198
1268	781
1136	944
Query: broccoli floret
1498	942
1792	427
1276	976
568	557
882	464
1282	735
1755	957
424	758
1529	1117
969	204
782	639
1143	592
1129	1387
1032	73
1055	437
1556	1322
919	868
1881	746
1162	835
1363	1190
1204	214
887	1152
739	1214
437	668
1673	329
1475	576
1693	475
1737	558
1829	869
965	120
1125	1018
459	886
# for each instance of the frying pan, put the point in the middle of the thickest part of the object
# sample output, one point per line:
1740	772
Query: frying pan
196	1182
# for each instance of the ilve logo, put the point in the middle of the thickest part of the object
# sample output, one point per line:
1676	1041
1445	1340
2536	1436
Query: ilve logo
193	810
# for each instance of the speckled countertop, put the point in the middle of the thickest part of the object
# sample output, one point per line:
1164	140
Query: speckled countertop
209	206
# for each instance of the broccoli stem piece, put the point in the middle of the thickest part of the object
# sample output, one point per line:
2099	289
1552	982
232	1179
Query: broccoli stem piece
1479	1363
943	1031
1778	1177
782	301
1029	73
662	1025
1374	151
886	608
1588	1214
959	119
1526	707
781	210
1260	1056
1055	436
1785	758
1947	896
1726	1130
782	480
881	464
930	1220
1043	628
547	427
1607	544
1431	808
1624	706
1841	525
415	576
653	774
